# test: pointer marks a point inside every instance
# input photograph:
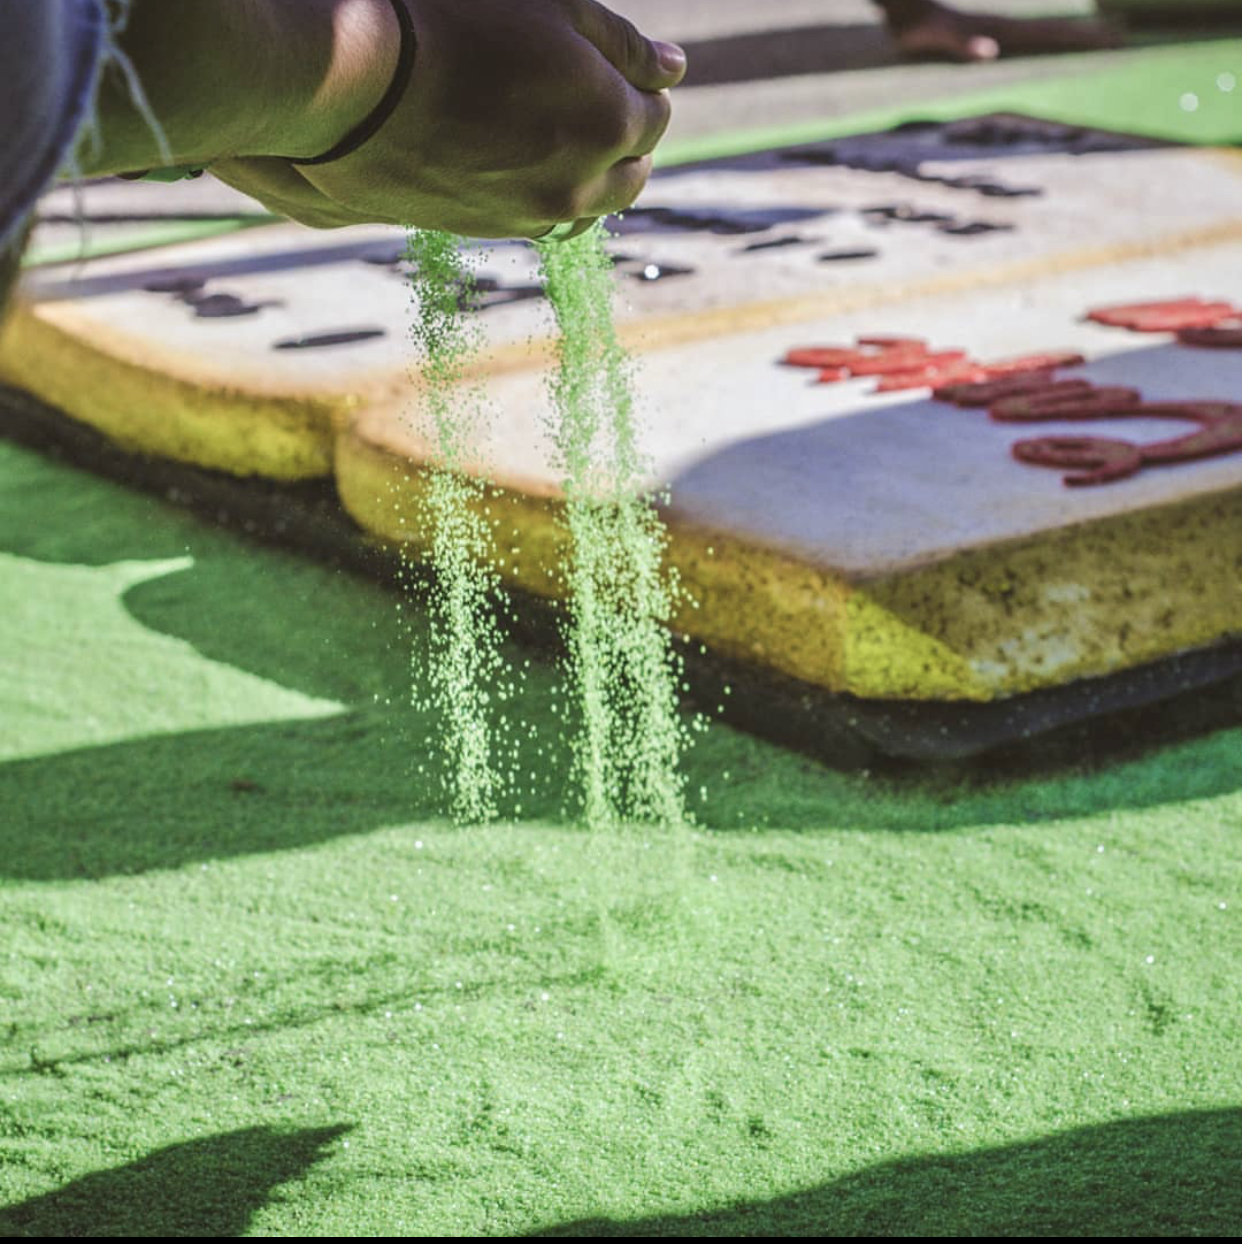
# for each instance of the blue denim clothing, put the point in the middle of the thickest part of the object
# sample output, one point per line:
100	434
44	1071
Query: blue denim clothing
51	52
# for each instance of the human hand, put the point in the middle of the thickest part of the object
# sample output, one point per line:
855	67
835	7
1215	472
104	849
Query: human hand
520	115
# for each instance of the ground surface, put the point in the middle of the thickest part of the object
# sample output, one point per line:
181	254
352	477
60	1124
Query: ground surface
252	982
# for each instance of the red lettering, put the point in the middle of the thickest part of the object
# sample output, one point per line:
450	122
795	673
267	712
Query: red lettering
1034	363
1170	316
988	392
1026	390
1221	431
1101	461
1224	336
1067	399
821	356
961	372
1098	460
907	357
888	343
830	375
897	360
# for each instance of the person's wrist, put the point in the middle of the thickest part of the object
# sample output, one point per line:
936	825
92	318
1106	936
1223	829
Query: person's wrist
244	78
340	68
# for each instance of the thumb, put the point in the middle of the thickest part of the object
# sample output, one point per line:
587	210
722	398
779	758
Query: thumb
647	64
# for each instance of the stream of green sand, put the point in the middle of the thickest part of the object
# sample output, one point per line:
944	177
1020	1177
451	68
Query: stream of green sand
622	672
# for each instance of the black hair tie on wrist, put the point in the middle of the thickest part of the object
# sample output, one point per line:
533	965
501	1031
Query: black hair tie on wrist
392	97
356	137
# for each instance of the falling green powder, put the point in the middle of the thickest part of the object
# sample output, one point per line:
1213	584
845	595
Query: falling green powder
465	665
623	668
620	597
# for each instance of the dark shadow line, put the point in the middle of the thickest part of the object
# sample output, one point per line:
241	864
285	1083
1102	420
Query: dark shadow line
501	987
294	258
127	218
787	52
1174	1174
823	49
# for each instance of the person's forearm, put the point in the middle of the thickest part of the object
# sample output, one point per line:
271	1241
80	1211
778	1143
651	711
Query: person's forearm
229	78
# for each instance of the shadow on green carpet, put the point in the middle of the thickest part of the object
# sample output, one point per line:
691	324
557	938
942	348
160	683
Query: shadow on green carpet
207	1187
173	797
1175	1174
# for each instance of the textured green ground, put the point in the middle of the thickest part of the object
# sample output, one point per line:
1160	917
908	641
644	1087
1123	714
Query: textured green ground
250	981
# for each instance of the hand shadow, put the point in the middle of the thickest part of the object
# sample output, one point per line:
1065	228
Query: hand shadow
208	1187
1174	1174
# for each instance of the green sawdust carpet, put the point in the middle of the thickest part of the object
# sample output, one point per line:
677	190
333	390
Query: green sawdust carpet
252	982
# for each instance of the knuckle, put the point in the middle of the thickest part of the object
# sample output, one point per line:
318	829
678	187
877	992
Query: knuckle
663	110
636	47
637	173
658	119
612	125
603	123
556	203
625	183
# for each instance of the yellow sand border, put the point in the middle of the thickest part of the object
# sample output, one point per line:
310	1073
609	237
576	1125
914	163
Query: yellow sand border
982	624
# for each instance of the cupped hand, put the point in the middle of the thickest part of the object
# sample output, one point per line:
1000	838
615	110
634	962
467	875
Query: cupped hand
520	115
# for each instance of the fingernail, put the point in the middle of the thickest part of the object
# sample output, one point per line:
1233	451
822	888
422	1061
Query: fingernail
983	48
672	58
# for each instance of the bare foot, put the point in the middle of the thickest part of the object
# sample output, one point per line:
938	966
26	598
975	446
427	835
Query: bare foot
932	29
